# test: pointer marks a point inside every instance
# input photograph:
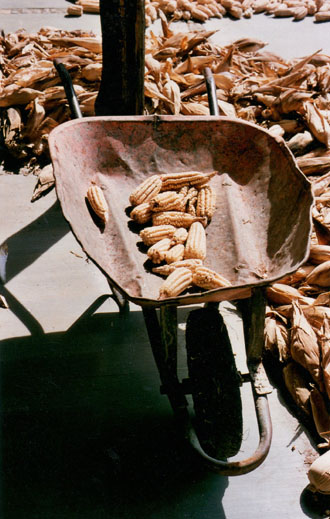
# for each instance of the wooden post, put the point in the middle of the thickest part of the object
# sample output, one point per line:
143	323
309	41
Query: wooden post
122	84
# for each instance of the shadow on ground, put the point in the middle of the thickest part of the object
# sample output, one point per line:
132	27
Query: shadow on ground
85	432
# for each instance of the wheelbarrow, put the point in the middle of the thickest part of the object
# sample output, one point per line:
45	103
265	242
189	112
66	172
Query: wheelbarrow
259	233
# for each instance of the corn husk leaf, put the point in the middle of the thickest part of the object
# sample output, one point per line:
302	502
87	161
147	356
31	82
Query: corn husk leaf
320	184
172	92
226	109
277	338
325	355
280	294
319	253
320	414
28	77
304	346
320	275
92	72
93	44
316	314
194	109
310	165
14	95
151	90
317	123
46	181
35	118
298	276
296	382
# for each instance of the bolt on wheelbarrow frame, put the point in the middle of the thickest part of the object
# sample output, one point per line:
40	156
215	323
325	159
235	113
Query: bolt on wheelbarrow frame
163	333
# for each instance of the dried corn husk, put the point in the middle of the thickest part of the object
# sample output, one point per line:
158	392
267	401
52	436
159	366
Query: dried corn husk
320	275
316	315
299	142
93	44
320	184
14	95
319	474
324	338
320	414
277	338
295	381
319	254
317	123
46	181
92	72
280	294
304	346
298	276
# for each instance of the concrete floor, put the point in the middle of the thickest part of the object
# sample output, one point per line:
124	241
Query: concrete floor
85	431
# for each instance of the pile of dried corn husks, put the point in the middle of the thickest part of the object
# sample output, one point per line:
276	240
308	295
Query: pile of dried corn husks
290	98
202	10
32	101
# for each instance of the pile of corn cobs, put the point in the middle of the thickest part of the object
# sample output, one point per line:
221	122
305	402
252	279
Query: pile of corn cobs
203	10
179	207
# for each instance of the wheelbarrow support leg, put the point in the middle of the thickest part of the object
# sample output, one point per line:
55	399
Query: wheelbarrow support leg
163	340
122	303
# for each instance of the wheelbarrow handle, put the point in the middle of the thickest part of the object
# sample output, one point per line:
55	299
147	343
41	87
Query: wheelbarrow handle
211	91
75	108
69	90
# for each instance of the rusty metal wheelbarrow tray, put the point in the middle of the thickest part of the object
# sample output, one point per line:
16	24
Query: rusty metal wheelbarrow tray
259	233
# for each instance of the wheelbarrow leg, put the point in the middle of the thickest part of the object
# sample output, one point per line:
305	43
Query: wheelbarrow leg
253	315
163	340
122	303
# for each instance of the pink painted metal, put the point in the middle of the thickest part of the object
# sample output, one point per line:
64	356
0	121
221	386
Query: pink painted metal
262	224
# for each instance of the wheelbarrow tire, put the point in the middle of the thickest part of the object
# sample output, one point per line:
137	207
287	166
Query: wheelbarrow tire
214	383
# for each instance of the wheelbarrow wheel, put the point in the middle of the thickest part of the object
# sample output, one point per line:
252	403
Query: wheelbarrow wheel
214	383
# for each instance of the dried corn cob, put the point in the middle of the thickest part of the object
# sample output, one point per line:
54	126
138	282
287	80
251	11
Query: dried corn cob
196	242
178	180
191	209
180	236
177	219
98	202
141	213
192	193
322	16
204	277
151	235
74	10
177	282
192	201
147	190
175	253
184	191
167	201
156	253
166	270
199	15
205	202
